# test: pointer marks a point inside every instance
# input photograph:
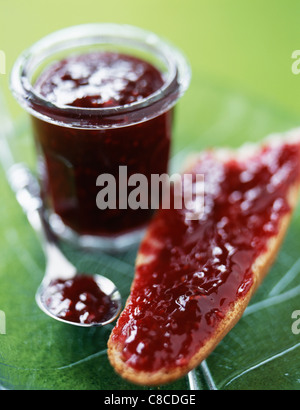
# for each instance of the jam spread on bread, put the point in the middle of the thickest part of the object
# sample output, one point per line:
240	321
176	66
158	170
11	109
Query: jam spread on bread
190	273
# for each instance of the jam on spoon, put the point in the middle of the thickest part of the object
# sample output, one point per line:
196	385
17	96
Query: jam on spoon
79	300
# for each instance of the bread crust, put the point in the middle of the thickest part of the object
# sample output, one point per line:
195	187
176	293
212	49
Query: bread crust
260	268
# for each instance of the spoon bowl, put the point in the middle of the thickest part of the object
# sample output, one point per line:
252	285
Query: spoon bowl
105	285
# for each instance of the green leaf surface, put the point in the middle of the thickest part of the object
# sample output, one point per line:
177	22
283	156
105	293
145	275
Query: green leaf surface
261	352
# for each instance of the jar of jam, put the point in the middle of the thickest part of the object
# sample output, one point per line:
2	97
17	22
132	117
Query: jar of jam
101	98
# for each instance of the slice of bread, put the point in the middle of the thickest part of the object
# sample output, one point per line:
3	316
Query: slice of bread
153	343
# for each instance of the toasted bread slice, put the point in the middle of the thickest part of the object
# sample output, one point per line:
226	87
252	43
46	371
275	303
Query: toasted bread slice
194	279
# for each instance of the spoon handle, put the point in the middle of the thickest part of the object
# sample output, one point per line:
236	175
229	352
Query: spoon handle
20	178
27	191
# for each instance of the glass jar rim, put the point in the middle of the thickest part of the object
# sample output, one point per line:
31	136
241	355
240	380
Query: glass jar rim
176	82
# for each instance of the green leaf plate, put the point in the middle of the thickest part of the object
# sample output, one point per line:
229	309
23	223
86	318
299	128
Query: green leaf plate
261	352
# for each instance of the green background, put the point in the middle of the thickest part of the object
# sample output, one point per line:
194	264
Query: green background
245	44
242	89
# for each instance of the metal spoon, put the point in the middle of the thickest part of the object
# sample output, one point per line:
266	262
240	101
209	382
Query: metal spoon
27	191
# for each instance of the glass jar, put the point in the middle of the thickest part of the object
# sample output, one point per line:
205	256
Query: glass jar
75	145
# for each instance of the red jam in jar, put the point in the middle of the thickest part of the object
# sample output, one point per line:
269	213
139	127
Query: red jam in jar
190	273
72	159
101	97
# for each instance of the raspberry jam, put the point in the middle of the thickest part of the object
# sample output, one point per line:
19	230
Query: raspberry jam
190	273
71	159
79	300
99	80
